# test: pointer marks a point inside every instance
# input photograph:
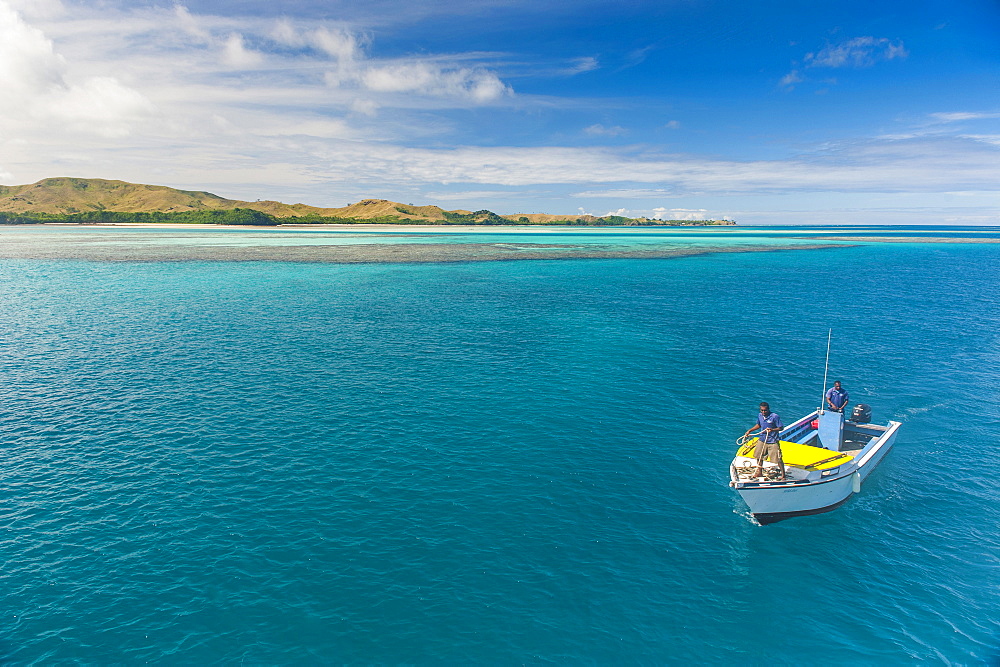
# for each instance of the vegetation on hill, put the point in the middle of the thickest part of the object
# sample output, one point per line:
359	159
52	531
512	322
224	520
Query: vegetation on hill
235	216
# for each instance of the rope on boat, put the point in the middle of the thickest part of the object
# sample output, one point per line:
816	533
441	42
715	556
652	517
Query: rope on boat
750	472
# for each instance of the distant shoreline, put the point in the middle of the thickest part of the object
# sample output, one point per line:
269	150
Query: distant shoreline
362	226
355	225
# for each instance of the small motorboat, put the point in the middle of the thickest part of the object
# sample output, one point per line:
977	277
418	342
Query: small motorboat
826	460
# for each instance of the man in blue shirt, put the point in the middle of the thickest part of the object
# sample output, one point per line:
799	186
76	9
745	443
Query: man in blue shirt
767	446
837	397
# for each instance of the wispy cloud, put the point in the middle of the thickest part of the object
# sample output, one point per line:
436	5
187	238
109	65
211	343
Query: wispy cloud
958	116
790	79
581	65
661	213
623	193
929	166
598	130
637	56
857	52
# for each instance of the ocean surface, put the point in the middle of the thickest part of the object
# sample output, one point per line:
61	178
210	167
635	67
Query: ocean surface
493	462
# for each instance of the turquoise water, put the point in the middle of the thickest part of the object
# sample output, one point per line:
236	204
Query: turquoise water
499	462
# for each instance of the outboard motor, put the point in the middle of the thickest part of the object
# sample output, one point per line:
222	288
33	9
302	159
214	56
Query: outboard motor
862	413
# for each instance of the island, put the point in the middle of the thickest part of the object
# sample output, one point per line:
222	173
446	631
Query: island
100	201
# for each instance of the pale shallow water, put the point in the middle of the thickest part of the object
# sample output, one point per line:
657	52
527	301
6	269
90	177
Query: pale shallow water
500	462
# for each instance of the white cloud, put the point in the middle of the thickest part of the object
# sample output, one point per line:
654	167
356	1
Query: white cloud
672	125
857	52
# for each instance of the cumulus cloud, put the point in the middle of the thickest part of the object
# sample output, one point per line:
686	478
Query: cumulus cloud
39	85
857	52
29	65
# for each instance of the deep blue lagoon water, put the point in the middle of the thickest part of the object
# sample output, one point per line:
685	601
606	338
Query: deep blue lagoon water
494	462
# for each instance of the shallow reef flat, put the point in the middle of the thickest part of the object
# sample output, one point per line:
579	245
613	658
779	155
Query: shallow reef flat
910	239
63	248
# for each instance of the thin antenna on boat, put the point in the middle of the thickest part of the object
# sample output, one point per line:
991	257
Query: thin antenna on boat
826	369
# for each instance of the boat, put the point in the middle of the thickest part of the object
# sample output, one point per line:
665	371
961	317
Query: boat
826	456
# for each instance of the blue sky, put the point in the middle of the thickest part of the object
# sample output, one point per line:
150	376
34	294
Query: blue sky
763	112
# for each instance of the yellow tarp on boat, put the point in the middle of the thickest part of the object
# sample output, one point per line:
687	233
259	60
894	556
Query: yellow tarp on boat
802	456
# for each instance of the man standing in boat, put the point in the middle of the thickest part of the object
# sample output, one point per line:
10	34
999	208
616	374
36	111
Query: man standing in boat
770	425
837	397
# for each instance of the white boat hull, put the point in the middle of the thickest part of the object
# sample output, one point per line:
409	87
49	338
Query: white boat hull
773	502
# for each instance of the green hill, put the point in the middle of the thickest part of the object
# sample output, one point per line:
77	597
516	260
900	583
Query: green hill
97	200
